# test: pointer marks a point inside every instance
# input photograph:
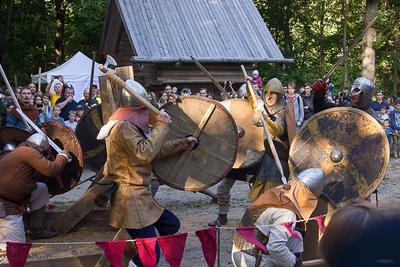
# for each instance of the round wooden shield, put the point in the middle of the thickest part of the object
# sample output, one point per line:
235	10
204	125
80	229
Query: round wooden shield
207	164
349	145
12	135
313	234
65	138
250	136
94	151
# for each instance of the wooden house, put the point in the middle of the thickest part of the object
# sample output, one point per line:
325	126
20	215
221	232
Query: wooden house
158	37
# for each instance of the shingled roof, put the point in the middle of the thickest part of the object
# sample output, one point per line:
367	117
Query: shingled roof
211	30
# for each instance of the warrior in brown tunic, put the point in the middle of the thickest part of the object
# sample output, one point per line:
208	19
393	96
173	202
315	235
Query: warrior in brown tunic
131	146
19	189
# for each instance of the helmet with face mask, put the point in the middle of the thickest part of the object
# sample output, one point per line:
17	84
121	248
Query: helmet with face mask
274	86
128	100
314	179
365	88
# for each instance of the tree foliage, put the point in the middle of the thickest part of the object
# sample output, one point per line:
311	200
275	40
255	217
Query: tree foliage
309	31
29	31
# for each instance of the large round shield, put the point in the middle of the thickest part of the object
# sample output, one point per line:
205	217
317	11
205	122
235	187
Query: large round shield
65	138
94	151
313	234
250	136
349	145
12	135
218	140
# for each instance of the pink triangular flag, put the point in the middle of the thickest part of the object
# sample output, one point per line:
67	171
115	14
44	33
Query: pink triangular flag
113	250
146	248
248	234
320	222
208	239
172	247
288	226
17	253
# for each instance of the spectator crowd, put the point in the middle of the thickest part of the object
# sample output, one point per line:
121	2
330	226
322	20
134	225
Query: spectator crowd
56	104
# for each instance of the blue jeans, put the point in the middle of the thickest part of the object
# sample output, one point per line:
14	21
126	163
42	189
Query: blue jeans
168	224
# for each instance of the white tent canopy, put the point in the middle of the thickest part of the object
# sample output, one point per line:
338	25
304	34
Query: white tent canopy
75	71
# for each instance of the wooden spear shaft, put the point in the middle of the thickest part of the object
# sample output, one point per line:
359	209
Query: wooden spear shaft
121	83
253	102
213	80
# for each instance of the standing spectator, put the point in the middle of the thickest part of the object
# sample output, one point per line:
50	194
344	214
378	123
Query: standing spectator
71	122
18	92
38	103
203	92
395	125
54	90
151	97
291	95
46	106
168	90
33	89
163	99
67	103
175	90
79	112
308	101
389	133
85	101
383	115
96	93
390	102
3	111
379	102
56	115
172	98
255	79
14	119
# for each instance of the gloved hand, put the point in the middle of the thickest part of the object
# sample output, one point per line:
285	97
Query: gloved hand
319	88
66	154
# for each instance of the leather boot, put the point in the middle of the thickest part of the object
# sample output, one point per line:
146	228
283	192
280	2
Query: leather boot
37	228
221	220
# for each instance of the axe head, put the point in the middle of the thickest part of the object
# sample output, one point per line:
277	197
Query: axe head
110	62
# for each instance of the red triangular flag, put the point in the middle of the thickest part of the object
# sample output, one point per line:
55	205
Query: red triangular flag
113	250
172	247
248	234
17	253
146	248
320	222
288	226
208	239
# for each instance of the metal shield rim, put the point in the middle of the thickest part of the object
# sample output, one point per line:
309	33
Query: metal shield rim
217	103
382	174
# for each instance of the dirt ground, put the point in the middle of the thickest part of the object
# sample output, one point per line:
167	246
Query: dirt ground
195	210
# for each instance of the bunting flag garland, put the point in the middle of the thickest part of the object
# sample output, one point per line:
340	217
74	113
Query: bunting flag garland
113	250
208	240
17	253
288	226
320	222
147	251
248	234
172	247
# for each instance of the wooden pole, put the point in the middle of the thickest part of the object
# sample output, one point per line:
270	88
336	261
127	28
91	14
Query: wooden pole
121	83
91	79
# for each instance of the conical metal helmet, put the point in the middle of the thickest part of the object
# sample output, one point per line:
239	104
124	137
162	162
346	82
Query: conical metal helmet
127	100
314	179
365	88
39	140
273	86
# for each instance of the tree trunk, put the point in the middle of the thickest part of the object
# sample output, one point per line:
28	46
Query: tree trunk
321	40
396	67
60	7
4	40
345	50
368	56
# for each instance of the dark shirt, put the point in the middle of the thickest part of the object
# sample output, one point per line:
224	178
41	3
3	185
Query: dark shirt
85	104
67	108
377	106
308	103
